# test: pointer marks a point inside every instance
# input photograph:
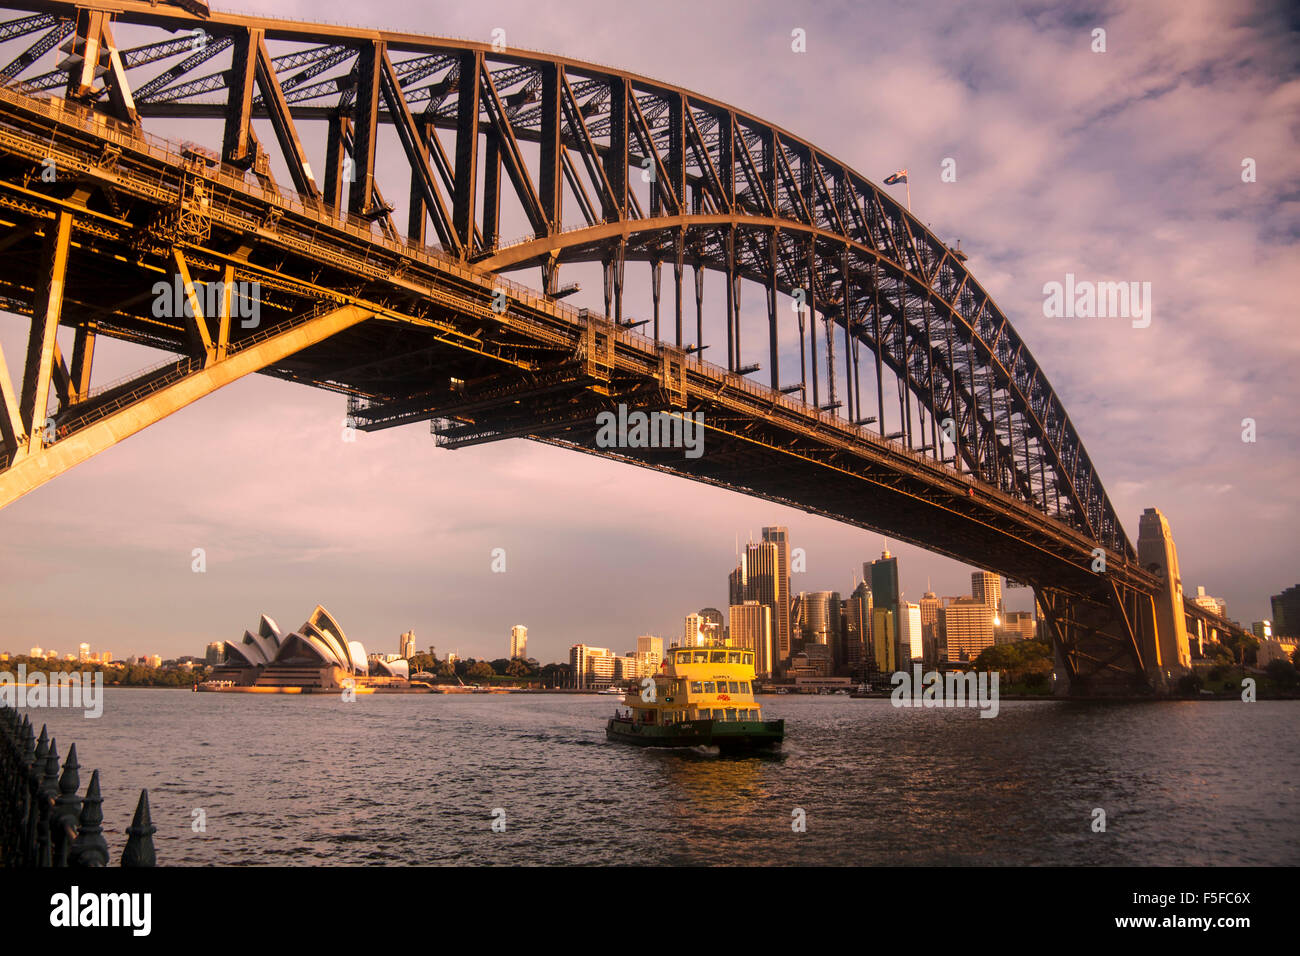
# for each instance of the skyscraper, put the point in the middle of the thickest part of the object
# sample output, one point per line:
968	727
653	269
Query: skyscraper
760	568
714	622
986	587
819	623
694	633
911	647
930	605
518	641
781	619
1286	612
751	627
406	645
857	631
883	639
649	644
967	627
649	654
736	586
883	575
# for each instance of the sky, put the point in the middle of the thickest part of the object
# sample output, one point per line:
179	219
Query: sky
1122	165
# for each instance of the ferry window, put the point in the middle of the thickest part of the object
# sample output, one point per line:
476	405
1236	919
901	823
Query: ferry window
695	687
708	687
719	657
683	658
749	658
733	657
701	657
733	687
744	687
731	713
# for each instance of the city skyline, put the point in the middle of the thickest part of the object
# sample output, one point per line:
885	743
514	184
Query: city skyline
124	526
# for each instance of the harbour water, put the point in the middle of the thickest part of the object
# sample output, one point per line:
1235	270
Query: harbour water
420	779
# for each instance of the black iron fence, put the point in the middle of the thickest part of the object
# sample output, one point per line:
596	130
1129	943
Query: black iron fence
43	822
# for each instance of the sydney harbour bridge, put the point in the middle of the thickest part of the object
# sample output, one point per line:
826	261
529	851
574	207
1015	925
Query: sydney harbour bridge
915	410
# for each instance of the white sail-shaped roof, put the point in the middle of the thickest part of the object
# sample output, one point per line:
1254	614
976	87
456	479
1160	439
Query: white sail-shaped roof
358	654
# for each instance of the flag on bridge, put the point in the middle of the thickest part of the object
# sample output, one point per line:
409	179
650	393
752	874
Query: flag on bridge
898	177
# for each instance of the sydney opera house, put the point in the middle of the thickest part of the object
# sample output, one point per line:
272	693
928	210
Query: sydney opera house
316	657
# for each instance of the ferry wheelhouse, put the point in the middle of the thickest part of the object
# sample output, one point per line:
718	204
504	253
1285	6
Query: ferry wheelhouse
702	696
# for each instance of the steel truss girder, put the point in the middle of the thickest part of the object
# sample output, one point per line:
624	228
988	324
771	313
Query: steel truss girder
701	151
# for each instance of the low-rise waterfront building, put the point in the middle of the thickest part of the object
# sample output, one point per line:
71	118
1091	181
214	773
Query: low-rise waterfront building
592	667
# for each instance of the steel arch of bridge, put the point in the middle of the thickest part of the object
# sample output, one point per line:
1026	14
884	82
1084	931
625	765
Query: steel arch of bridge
730	193
727	193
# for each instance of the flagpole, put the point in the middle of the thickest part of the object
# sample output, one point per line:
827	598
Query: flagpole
909	195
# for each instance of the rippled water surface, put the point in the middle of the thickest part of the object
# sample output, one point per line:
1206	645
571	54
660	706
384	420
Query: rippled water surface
414	779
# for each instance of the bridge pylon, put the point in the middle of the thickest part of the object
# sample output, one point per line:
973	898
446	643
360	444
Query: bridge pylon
1171	656
1111	637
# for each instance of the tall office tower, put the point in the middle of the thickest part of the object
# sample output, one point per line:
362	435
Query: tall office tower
930	605
649	654
883	640
910	645
986	587
967	627
819	623
781	616
518	641
1261	629
694	633
736	586
760	564
857	631
649	644
751	627
796	624
714	622
883	575
406	645
1286	612
215	652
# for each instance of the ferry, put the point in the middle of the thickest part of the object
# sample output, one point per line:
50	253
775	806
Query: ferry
702	697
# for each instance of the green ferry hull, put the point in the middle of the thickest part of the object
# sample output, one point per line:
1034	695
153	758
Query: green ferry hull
725	735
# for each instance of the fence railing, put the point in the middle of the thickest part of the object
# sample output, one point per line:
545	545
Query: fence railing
43	822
